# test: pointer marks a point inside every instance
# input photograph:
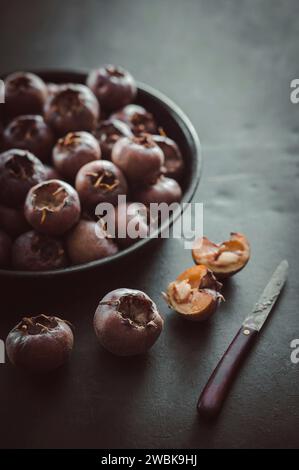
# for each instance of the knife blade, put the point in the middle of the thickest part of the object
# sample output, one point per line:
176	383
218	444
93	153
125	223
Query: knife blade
268	298
214	393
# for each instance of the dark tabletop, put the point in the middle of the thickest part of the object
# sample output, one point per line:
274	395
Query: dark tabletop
228	65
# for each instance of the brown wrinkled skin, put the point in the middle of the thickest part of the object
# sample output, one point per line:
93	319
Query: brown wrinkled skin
40	352
55	222
121	336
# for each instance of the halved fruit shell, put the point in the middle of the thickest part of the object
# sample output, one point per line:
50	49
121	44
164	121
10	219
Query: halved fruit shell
224	259
194	294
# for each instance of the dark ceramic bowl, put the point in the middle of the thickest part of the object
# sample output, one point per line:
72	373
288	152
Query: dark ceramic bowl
176	125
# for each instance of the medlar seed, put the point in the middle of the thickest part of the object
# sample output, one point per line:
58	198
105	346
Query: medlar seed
100	181
88	241
40	344
72	108
138	118
33	251
140	158
113	86
5	250
108	133
30	133
25	93
19	171
52	207
127	322
73	151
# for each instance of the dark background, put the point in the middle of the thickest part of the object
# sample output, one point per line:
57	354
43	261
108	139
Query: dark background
228	64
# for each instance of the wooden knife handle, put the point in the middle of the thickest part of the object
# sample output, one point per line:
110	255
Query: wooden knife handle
215	391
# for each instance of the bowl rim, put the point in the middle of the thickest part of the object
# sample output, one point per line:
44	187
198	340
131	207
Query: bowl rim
184	123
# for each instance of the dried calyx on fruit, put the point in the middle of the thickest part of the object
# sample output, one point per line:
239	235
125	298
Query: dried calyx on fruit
195	294
73	108
127	322
40	343
24	93
108	133
52	207
113	86
100	181
224	259
140	158
73	151
31	133
138	118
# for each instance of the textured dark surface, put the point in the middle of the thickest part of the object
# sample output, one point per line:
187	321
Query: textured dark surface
229	67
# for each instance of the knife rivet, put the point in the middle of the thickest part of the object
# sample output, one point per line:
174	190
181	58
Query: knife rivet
246	332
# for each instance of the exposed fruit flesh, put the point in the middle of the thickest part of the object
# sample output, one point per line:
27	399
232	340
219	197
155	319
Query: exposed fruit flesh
195	293
224	259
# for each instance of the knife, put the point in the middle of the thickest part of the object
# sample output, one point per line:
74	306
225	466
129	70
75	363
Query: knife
215	391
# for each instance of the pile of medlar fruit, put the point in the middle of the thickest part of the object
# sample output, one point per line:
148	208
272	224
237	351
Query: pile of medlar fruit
66	148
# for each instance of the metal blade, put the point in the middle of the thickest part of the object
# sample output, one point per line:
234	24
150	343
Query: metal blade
268	298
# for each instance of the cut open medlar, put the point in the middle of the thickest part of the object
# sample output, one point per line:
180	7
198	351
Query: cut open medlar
40	344
195	294
127	322
224	259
